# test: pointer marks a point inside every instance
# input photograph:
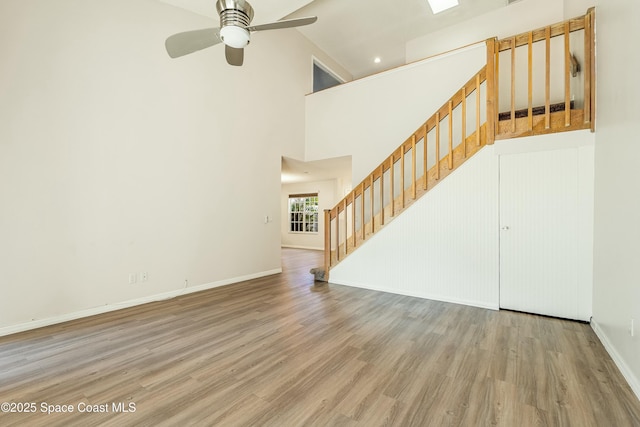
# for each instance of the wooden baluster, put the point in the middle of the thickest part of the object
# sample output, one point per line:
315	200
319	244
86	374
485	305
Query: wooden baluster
464	122
371	193
530	66
364	234
587	67
478	110
337	233
438	145
547	79
492	92
450	159
391	185
496	88
381	195
513	85
425	180
327	242
567	75
402	176
413	166
353	219
346	226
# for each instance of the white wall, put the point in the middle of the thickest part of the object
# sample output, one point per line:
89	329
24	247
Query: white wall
116	159
371	117
328	196
507	21
444	247
617	185
573	8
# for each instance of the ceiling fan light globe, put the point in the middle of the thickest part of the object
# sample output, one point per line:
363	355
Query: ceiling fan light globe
234	36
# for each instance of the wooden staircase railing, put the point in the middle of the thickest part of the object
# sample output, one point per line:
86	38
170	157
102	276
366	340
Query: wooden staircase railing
468	121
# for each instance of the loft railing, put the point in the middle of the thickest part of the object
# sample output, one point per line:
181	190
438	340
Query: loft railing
471	119
544	79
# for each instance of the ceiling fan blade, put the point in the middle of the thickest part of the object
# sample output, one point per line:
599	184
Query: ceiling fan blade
234	56
191	41
288	23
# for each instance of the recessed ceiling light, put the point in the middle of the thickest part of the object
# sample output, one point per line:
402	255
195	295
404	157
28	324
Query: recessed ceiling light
438	6
376	60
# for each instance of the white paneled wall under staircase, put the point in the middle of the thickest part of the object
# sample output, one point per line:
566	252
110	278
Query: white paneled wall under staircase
449	246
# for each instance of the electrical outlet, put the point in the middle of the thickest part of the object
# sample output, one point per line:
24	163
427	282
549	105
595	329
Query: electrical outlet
144	276
132	278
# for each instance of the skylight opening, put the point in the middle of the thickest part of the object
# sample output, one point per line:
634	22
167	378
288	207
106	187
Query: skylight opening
438	6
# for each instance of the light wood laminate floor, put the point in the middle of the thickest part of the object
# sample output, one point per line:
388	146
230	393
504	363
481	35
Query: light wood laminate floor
279	351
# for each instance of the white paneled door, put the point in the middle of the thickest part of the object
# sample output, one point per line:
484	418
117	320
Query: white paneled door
539	211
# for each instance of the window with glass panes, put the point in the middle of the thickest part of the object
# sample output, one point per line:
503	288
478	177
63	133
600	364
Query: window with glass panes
303	213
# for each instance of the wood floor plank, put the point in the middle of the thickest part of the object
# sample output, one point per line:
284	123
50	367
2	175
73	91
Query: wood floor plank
283	351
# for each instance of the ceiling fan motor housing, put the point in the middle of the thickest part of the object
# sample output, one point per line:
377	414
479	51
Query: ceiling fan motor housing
235	16
234	12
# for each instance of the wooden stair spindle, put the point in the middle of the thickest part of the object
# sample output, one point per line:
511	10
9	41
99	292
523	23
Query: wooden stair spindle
530	83
492	91
338	233
353	219
413	166
450	156
362	227
478	110
391	185
567	75
425	179
346	226
438	145
464	122
371	196
547	78
402	184
382	194
513	84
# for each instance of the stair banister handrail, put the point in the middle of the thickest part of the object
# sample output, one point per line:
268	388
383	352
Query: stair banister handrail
398	155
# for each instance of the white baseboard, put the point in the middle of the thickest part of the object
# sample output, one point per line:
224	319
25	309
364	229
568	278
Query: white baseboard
628	375
440	298
302	247
39	323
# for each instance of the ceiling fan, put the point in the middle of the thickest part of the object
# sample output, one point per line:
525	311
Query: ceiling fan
234	32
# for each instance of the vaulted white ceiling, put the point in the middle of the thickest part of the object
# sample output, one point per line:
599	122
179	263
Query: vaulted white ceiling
354	32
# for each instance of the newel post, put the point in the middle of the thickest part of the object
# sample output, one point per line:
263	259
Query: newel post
491	91
327	242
